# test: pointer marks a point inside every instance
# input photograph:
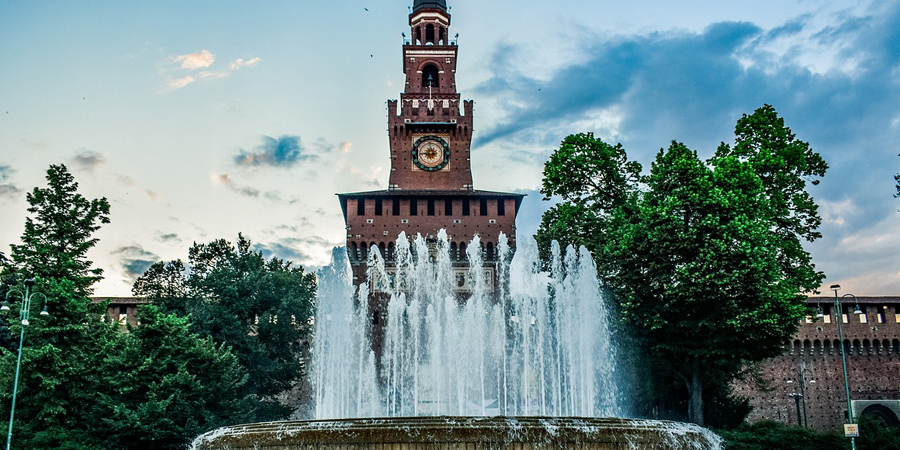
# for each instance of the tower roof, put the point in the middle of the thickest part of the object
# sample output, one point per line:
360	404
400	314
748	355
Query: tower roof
421	4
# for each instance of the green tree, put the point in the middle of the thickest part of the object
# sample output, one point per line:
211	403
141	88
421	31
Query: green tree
259	307
59	377
166	385
704	258
56	241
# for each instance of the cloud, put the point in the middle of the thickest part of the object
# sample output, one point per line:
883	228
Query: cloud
210	74
299	250
7	190
180	82
346	147
134	260
226	180
240	62
284	151
833	78
166	237
88	160
194	61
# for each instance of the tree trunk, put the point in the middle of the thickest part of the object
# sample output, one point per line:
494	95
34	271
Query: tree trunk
695	392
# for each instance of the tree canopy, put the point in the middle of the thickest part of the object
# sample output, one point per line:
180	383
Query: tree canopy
56	240
259	307
704	258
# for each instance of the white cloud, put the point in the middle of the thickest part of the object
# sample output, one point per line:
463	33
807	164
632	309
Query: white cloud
194	61
241	62
180	82
346	147
209	74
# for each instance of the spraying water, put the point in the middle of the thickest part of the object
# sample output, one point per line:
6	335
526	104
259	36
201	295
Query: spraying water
464	341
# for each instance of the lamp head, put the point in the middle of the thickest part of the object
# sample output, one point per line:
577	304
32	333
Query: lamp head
858	311
29	282
44	311
835	287
4	306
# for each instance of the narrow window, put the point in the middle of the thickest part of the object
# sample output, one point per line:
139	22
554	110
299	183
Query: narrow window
430	206
501	207
413	207
377	206
448	208
483	206
465	207
395	208
361	207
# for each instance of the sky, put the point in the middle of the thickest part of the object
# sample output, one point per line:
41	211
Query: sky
201	120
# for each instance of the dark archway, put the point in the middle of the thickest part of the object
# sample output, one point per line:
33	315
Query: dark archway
882	414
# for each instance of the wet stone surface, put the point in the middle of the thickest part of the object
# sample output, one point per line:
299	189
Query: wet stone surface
461	433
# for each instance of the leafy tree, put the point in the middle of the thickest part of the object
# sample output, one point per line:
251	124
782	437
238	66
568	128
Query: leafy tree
59	377
56	241
704	258
258	307
167	385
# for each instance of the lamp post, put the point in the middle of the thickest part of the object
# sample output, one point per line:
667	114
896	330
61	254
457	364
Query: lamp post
839	317
801	396
24	309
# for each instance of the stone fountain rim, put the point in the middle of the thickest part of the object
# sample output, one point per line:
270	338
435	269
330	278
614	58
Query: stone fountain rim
454	429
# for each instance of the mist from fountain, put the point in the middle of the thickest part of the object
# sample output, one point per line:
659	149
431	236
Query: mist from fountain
537	343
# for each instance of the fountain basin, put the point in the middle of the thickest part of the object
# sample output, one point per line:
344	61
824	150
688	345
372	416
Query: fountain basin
461	433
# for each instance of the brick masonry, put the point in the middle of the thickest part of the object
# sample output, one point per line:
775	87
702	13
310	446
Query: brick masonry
872	344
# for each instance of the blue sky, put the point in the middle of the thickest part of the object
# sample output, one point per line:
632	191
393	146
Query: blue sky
199	120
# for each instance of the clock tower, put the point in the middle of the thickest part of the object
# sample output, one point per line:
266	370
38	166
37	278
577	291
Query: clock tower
430	135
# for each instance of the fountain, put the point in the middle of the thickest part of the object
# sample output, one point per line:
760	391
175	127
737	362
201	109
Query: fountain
467	357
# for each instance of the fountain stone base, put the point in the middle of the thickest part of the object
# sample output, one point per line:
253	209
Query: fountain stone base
462	433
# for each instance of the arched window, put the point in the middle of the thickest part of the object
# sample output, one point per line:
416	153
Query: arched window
817	347
827	348
390	253
383	249
798	347
441	35
807	347
857	345
352	252
895	344
462	252
430	76
363	251
429	34
418	35
489	251
453	251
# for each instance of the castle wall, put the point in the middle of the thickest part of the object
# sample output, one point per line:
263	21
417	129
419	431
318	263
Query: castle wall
872	344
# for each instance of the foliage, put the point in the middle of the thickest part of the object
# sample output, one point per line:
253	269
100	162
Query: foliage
167	385
769	435
704	258
258	307
56	241
897	179
61	351
873	435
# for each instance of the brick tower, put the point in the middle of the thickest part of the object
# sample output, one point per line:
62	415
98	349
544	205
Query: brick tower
430	134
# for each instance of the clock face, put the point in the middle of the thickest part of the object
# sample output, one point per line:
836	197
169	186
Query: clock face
431	153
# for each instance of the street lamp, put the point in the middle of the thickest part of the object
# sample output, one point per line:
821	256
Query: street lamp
24	309
798	396
840	320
